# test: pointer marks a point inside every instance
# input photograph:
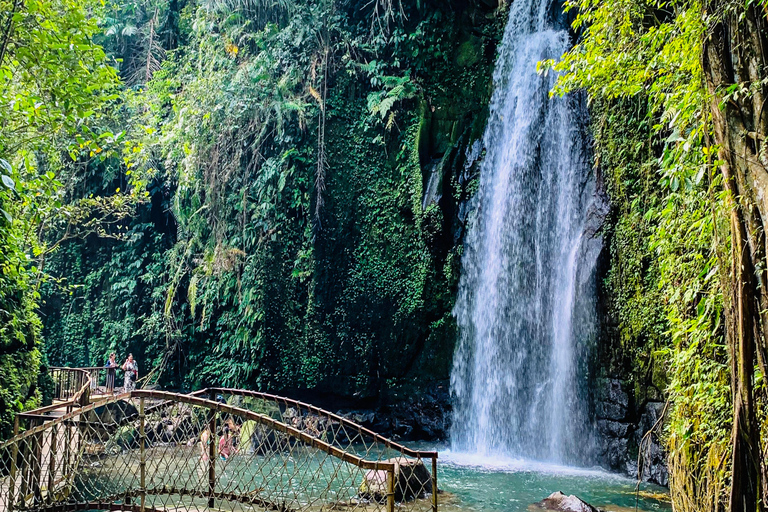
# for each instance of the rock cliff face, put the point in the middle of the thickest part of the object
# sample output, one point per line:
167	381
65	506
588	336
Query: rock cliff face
425	416
627	429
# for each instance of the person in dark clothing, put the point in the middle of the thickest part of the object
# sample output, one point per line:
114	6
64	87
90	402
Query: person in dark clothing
111	366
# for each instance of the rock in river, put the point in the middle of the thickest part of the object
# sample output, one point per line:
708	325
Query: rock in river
412	480
559	502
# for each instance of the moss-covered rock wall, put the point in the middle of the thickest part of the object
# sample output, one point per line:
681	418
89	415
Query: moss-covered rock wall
630	370
352	302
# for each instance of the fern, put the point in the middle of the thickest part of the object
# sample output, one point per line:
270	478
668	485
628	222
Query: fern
381	102
387	104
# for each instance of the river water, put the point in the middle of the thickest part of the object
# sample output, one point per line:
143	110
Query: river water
482	484
468	483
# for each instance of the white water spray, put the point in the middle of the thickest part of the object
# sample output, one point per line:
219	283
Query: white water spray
525	307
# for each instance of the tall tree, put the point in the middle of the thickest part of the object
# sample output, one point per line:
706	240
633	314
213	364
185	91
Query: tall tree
53	82
735	63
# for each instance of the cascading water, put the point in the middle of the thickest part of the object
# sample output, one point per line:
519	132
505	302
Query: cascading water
525	307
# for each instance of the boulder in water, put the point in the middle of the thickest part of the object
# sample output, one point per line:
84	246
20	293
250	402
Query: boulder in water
559	502
412	481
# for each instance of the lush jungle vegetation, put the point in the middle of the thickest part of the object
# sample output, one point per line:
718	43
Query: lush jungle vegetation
273	194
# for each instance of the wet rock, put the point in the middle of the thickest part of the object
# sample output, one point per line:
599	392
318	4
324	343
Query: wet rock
111	415
622	427
617	452
613	428
614	412
597	212
374	485
612	400
616	394
412	481
653	456
559	502
266	441
425	417
432	191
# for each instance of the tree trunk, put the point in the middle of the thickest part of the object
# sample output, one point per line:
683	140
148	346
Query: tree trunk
735	53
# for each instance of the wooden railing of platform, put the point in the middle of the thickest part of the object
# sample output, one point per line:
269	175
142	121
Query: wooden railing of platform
219	448
71	384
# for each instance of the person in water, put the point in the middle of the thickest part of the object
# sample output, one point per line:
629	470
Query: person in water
131	370
111	366
225	445
205	442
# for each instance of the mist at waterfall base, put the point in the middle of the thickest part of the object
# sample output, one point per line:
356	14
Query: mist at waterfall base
525	307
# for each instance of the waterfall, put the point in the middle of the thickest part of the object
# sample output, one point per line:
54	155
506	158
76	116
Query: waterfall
526	301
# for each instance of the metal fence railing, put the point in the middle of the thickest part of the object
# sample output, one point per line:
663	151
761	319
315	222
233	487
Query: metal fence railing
341	433
222	449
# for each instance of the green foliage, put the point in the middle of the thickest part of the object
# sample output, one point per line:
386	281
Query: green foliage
651	52
19	325
624	152
226	277
395	89
54	85
53	78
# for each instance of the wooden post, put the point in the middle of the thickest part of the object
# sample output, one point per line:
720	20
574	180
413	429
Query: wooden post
24	469
434	483
80	438
67	442
52	465
211	451
37	464
14	456
391	490
143	450
127	497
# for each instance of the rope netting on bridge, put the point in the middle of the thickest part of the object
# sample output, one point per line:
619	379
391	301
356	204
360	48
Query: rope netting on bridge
219	449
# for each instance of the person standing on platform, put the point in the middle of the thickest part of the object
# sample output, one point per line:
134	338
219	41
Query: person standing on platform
111	366
131	370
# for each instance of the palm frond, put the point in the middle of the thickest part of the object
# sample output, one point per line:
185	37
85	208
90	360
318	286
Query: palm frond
129	30
150	58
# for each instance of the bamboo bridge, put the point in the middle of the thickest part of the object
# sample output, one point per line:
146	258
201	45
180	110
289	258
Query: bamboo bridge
217	449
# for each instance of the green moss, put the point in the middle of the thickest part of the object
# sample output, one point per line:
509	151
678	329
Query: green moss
469	52
636	314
